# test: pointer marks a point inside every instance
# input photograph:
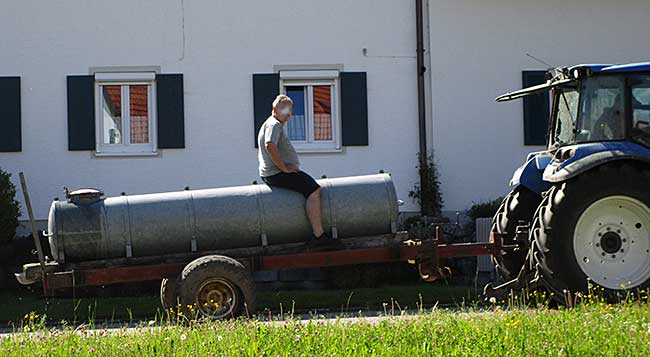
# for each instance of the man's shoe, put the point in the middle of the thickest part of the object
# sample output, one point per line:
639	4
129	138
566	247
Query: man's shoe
325	242
324	236
317	241
321	241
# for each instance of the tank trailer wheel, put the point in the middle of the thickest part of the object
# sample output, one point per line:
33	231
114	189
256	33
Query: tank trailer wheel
519	205
595	229
168	295
216	287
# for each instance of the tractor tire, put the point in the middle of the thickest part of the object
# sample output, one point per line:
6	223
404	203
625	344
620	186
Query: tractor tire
216	287
594	231
168	295
519	205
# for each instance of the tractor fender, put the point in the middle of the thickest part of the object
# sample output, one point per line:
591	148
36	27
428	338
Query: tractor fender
590	155
530	174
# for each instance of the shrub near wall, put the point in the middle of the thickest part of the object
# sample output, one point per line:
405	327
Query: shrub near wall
9	208
9	213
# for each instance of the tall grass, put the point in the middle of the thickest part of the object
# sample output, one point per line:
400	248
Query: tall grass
521	326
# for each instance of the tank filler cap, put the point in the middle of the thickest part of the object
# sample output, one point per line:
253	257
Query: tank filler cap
84	196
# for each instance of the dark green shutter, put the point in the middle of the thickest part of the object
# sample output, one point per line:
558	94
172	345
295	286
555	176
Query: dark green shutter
10	123
81	112
170	109
266	86
536	109
354	109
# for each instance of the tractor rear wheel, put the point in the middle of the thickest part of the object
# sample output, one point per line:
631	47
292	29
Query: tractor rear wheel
519	205
595	228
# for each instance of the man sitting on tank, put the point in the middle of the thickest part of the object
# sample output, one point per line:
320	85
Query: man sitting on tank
279	165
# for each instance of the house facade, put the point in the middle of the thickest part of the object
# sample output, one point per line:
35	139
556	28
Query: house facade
153	96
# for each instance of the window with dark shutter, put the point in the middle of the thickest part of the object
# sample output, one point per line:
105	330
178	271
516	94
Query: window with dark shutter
125	104
314	126
354	109
536	109
10	121
81	112
171	111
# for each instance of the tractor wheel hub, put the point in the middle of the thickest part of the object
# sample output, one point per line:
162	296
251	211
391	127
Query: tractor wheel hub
611	243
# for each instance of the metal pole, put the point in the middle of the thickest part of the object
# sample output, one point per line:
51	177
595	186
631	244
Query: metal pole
424	182
37	241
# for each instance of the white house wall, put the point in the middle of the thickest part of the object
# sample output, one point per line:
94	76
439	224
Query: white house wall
217	45
478	51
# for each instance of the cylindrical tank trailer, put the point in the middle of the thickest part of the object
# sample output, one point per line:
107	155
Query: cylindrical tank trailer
88	226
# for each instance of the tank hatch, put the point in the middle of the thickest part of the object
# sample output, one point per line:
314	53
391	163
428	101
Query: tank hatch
84	196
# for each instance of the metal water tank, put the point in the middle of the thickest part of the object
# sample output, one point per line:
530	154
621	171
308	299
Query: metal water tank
88	226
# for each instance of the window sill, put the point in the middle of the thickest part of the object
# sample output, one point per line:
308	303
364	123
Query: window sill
125	154
319	150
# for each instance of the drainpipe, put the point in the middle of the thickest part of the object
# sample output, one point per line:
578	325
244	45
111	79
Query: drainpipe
422	125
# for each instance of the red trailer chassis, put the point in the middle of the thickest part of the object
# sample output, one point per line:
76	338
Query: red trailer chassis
426	254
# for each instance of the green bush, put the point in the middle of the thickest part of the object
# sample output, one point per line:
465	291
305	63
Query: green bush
427	193
484	209
9	208
481	210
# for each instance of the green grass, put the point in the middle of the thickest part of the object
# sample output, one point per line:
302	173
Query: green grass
14	306
407	297
588	329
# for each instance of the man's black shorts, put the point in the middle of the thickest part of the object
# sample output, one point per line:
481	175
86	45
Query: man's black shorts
295	181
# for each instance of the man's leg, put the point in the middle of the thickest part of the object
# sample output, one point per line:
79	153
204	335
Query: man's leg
312	207
314	212
305	184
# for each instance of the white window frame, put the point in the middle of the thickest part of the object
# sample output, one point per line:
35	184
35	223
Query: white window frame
308	79
125	148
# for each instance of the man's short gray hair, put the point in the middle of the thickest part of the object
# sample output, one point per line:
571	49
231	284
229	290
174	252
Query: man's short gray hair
281	98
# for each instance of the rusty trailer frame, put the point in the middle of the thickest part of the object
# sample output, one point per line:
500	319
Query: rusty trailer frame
426	254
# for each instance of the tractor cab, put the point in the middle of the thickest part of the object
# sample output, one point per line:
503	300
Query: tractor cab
602	106
599	113
596	103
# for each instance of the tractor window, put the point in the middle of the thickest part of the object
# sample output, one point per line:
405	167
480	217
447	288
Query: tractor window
640	88
601	115
567	110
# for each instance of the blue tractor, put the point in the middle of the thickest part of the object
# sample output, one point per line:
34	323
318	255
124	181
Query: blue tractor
579	211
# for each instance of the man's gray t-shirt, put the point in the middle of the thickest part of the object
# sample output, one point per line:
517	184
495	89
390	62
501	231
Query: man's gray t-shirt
272	131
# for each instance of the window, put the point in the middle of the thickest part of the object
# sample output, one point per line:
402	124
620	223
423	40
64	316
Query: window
601	114
566	101
640	89
125	113
314	125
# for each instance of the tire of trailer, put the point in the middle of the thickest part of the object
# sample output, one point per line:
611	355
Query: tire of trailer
571	229
216	287
519	205
168	294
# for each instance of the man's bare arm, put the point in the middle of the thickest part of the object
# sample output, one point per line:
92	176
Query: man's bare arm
277	160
